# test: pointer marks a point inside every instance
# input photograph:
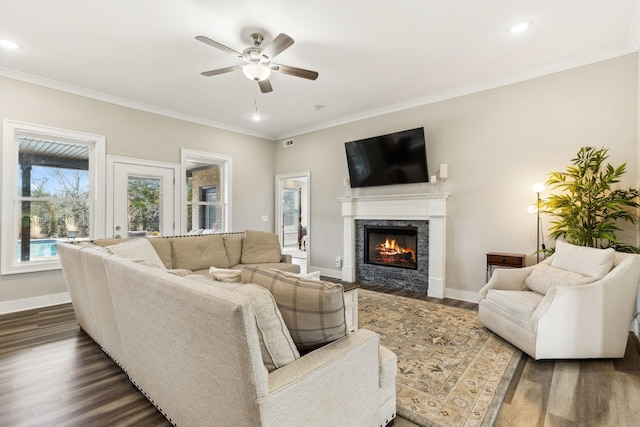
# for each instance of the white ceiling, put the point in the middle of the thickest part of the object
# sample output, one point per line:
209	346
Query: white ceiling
373	56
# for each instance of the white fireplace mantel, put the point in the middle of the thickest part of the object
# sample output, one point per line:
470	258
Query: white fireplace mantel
427	206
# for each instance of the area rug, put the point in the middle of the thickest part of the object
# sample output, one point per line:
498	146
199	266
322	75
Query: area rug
452	371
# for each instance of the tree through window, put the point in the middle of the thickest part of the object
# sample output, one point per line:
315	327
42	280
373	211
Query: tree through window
47	182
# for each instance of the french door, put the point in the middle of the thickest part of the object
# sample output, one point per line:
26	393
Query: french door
143	198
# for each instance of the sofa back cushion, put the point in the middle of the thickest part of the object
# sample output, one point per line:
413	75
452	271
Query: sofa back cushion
163	249
312	310
591	262
198	252
259	247
233	246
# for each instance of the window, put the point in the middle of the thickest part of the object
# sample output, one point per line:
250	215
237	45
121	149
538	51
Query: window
49	193
208	191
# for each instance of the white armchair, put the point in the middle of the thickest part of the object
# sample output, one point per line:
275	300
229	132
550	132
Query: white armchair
576	304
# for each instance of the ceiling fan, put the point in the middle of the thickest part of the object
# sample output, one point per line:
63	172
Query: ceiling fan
258	65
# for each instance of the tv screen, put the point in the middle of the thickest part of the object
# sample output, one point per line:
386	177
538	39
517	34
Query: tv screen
397	158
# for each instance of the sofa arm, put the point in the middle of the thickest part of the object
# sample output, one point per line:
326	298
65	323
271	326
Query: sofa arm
510	279
286	258
333	385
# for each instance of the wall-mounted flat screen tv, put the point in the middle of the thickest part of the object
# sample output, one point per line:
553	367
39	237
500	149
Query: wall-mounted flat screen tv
397	158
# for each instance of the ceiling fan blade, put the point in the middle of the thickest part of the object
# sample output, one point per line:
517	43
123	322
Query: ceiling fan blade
221	71
220	46
280	43
293	71
265	86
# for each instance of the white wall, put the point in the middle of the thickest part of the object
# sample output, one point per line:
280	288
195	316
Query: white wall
134	133
497	143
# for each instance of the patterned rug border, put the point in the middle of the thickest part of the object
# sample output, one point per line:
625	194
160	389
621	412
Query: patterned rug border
500	391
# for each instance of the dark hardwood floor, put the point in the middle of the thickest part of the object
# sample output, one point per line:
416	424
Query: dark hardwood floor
53	374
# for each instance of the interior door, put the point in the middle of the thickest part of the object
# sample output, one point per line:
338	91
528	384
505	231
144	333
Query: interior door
143	199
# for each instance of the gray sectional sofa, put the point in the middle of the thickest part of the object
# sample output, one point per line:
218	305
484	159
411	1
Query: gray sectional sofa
211	353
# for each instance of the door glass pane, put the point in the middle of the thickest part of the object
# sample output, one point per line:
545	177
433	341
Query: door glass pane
291	209
143	206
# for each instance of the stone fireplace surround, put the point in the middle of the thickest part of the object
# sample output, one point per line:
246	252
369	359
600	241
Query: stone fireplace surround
427	206
395	277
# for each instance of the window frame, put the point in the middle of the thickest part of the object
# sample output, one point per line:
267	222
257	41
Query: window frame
12	130
224	192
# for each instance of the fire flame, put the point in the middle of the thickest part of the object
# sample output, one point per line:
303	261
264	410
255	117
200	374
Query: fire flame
390	247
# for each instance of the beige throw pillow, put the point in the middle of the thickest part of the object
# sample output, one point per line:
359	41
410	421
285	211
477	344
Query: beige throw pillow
225	274
259	247
199	252
313	310
137	249
278	349
543	277
314	275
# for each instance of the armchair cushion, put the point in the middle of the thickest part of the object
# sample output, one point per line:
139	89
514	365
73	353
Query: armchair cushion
517	304
544	276
581	259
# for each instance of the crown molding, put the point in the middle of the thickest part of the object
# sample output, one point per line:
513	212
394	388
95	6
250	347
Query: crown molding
124	102
633	36
576	62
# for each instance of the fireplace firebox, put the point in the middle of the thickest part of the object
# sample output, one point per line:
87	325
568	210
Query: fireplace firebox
391	246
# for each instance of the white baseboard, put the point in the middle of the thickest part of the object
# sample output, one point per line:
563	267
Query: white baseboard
462	295
35	302
336	274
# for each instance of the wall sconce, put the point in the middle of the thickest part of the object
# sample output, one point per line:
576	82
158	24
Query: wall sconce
535	209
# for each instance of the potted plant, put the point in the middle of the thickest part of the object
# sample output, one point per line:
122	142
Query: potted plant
589	208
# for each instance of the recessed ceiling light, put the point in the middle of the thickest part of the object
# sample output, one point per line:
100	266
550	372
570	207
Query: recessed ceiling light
520	27
8	44
256	117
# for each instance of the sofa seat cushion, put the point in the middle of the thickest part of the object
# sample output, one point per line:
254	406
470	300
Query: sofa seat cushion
260	247
199	252
518	304
139	249
278	349
543	277
313	310
591	262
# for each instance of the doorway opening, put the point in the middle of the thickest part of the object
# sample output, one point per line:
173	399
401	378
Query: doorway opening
293	216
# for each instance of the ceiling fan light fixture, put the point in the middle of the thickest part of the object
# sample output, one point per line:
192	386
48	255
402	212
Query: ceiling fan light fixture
9	44
520	27
256	71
